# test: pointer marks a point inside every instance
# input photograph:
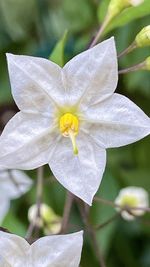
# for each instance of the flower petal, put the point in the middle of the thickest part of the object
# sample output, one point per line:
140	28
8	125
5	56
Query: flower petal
58	251
36	83
4	263
4	208
13	249
92	75
115	122
25	142
13	183
81	174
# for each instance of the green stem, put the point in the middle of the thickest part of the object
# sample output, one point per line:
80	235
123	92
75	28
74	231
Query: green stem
127	50
137	67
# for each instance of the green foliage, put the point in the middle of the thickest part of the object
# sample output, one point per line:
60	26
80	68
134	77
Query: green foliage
17	17
57	54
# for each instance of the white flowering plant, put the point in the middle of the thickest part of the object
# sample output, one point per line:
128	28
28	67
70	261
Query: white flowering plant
73	128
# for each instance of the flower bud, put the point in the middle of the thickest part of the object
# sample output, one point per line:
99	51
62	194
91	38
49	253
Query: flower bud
129	199
147	63
116	6
143	37
135	2
49	221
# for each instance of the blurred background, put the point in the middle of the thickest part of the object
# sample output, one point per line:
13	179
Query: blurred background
33	27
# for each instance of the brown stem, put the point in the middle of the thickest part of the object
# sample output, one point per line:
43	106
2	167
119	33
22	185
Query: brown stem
110	220
67	211
129	49
100	31
92	233
137	67
33	226
39	189
96	247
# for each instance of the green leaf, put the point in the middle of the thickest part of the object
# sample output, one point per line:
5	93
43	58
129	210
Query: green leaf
18	17
57	54
13	224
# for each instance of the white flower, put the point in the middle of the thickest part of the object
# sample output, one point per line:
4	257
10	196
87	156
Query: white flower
13	184
76	101
132	197
50	251
48	218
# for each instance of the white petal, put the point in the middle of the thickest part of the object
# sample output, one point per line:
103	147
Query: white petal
14	183
93	74
58	251
80	174
25	142
115	122
13	249
4	207
127	216
36	83
3	262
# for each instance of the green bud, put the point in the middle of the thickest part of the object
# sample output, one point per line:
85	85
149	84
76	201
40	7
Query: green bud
116	6
143	37
147	63
49	221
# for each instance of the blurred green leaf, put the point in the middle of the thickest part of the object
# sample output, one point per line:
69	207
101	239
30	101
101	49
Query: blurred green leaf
57	54
17	17
14	224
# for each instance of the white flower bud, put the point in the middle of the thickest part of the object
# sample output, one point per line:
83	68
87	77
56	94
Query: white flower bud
116	6
132	197
135	2
49	221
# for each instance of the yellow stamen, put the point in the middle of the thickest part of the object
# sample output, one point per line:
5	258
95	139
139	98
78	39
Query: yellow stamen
69	127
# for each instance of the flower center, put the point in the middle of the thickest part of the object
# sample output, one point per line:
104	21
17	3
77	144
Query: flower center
69	127
130	201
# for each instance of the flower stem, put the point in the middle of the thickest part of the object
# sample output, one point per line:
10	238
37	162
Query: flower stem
90	229
129	49
110	220
32	226
100	31
67	211
140	66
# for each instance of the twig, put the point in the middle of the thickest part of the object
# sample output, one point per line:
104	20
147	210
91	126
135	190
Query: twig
137	67
100	32
129	49
33	225
96	247
67	211
92	233
39	190
110	220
